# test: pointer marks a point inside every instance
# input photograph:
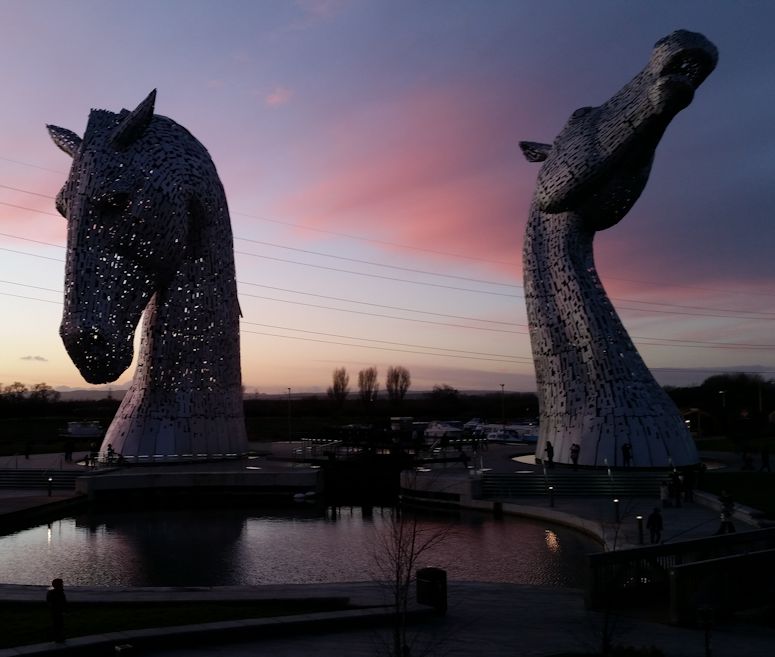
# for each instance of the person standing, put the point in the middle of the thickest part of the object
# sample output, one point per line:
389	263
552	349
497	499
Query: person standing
626	455
57	601
655	524
574	454
549	449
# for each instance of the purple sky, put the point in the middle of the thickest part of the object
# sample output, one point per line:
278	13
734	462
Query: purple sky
365	142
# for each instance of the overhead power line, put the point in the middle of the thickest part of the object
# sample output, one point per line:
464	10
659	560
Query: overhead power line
641	340
755	313
388	342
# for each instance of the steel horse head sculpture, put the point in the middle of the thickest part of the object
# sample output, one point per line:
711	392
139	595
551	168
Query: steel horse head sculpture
594	389
149	232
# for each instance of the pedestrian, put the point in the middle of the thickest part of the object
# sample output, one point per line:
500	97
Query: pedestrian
574	454
549	449
676	488
626	454
654	524
57	601
664	494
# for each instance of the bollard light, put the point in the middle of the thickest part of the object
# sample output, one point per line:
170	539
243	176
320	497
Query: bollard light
640	529
616	509
551	495
49	486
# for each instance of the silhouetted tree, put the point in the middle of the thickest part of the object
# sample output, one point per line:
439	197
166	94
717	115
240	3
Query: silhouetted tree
403	543
397	383
368	385
340	388
43	393
15	392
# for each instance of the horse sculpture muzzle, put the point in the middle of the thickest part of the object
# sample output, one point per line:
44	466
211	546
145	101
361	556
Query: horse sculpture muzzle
99	357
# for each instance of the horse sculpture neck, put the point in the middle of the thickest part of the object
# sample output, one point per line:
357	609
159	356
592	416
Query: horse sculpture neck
594	389
149	231
188	368
597	398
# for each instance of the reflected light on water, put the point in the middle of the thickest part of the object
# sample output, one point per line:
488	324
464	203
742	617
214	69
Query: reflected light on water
244	546
552	541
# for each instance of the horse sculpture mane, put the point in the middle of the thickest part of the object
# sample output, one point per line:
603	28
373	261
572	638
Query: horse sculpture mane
149	231
594	390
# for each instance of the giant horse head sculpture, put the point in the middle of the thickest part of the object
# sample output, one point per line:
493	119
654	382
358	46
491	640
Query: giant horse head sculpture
148	230
594	390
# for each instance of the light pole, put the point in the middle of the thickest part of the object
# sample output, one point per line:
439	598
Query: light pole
289	415
503	407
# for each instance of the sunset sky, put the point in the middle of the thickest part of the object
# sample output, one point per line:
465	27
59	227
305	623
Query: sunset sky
369	152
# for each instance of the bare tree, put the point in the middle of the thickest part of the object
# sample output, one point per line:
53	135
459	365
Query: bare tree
340	388
42	392
403	543
15	392
368	385
397	383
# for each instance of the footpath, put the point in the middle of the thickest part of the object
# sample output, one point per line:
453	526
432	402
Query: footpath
482	619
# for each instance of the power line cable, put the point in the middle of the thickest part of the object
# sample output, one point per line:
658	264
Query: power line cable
669	305
382	316
641	340
387	243
388	342
402	351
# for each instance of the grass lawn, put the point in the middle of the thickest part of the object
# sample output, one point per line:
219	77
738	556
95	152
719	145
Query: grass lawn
28	622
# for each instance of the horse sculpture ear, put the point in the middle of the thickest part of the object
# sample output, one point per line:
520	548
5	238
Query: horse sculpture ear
135	123
67	140
535	152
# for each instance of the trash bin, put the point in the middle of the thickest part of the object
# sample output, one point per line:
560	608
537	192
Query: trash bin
432	588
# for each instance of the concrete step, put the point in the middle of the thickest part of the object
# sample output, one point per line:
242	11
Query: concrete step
30	478
628	484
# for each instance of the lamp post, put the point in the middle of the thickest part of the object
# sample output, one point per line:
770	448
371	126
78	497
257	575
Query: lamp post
503	406
289	415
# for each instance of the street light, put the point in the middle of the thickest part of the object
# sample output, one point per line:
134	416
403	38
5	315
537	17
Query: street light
503	407
289	415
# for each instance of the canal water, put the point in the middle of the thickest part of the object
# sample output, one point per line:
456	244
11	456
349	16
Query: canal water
307	544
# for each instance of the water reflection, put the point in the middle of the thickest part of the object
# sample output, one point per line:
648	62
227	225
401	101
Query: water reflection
234	546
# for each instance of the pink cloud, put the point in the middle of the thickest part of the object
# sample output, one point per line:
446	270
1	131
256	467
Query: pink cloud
278	96
429	169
